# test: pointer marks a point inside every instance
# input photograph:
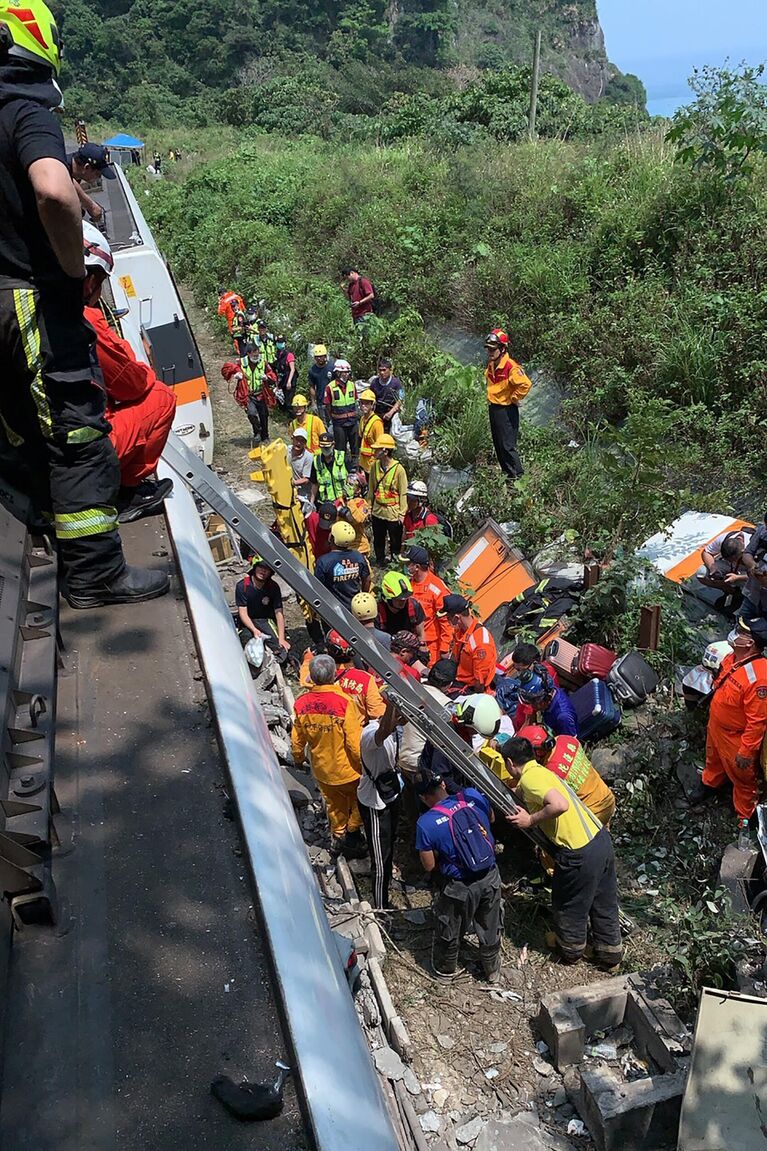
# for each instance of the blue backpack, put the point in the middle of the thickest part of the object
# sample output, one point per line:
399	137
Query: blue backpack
473	849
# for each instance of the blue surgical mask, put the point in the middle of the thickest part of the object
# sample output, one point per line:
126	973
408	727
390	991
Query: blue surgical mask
280	344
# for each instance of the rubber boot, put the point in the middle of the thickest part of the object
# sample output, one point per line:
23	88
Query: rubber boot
133	585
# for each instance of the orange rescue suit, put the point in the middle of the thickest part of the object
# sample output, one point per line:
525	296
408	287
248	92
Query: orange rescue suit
507	382
230	303
438	633
475	654
139	407
737	724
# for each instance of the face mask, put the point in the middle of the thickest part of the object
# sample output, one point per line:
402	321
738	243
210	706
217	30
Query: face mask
280	344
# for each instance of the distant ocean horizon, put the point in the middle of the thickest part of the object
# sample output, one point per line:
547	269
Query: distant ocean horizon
668	105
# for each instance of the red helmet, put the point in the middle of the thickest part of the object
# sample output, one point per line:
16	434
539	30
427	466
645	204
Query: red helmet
497	339
540	737
337	646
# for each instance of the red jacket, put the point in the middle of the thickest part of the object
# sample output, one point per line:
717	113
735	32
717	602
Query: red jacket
126	379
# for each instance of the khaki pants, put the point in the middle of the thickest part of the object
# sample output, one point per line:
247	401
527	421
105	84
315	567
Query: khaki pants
341	802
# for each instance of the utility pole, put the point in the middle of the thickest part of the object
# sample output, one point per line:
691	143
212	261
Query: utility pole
534	86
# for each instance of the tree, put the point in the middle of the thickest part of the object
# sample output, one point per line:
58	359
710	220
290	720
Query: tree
726	125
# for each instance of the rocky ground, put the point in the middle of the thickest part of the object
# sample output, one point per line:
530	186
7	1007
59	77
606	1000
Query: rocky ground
477	1057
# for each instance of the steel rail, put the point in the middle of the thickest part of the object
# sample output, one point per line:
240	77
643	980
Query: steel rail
341	1096
413	701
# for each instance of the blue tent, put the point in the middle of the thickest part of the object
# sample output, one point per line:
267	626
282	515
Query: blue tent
121	140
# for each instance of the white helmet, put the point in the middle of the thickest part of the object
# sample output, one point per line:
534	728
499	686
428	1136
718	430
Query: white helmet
96	249
480	712
715	653
418	489
342	366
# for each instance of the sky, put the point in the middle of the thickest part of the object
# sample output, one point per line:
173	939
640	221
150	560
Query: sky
662	40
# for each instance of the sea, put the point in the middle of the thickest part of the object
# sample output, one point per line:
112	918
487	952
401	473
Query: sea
667	105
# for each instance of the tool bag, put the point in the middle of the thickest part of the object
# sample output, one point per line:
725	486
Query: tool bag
564	657
596	661
538	609
597	711
632	679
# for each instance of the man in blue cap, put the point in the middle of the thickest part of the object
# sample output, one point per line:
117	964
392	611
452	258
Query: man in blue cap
88	164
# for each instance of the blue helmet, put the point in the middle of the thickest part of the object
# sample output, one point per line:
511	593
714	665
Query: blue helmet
533	687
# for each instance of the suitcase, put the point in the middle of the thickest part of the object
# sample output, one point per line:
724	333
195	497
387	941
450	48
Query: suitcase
595	661
563	657
632	679
597	711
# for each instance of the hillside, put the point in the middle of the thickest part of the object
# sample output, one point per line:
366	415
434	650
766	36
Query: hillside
147	65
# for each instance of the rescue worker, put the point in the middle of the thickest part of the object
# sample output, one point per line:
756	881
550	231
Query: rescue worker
465	896
285	370
140	408
330	474
737	722
253	368
359	685
565	756
355	511
387	489
51	392
584	890
320	374
268	343
327	725
303	418
440	674
258	600
473	647
318	527
370	431
229	303
238	330
544	703
360	293
399	610
343	571
340	401
429	590
526	656
364	608
418	514
408	650
387	390
379	795
89	163
507	386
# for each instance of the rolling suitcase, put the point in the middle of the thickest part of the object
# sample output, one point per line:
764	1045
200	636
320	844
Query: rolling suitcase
595	661
632	679
563	657
597	711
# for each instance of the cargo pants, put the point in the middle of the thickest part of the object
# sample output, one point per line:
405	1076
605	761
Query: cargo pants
584	892
460	904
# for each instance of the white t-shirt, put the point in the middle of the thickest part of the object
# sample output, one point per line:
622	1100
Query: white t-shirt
375	761
302	465
715	547
412	740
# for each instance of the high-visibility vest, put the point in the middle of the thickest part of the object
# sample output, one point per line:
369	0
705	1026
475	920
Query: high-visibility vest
371	427
253	375
343	398
383	486
331	481
313	427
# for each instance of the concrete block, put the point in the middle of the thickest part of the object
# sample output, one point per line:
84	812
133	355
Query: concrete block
648	1040
640	1116
399	1037
736	873
392	1024
376	947
569	1017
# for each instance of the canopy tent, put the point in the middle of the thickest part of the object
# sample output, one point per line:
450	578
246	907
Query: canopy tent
122	140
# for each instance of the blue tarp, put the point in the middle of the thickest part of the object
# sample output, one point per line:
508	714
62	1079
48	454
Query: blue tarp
121	140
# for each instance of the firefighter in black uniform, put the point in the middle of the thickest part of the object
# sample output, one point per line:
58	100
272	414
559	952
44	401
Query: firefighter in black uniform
54	438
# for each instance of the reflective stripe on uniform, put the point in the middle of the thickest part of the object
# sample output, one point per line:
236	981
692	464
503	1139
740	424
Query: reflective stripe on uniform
480	633
88	522
83	435
26	315
750	673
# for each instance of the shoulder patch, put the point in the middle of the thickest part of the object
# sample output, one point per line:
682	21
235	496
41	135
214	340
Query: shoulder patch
761	692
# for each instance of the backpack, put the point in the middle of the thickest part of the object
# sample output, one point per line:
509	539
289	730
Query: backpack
445	524
473	850
376	301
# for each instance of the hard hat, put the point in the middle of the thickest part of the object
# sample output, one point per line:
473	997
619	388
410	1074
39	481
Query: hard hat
96	249
394	585
496	339
540	737
368	395
320	350
406	641
418	489
337	646
480	712
30	33
258	561
300	402
715	653
342	366
300	434
385	441
342	534
531	686
364	606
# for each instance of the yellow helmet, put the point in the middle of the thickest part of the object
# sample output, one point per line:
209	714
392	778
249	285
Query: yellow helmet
299	402
368	394
364	606
342	534
29	32
320	350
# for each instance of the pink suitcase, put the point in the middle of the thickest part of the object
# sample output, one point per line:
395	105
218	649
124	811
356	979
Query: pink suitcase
564	656
595	661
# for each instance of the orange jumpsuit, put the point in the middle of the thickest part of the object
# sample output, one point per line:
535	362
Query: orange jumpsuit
476	656
140	407
737	724
438	633
230	303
